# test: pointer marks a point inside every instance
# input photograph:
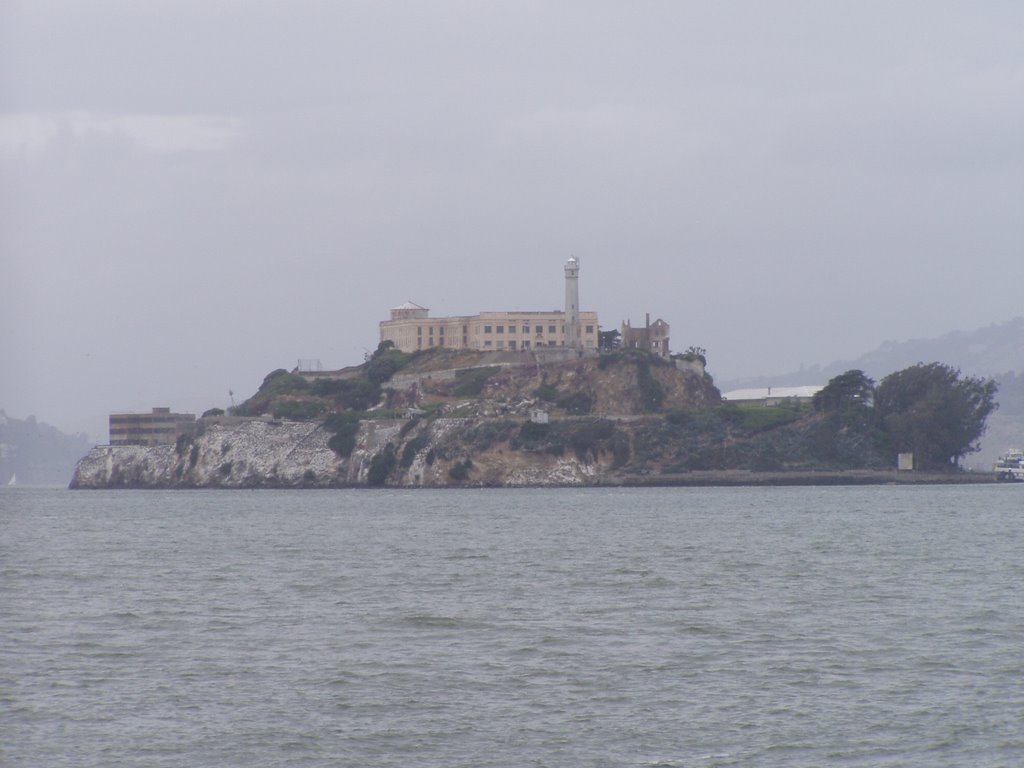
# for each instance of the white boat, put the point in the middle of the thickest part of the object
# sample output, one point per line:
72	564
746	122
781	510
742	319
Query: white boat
1010	466
13	481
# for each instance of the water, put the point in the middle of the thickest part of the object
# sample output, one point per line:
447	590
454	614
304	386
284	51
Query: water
660	627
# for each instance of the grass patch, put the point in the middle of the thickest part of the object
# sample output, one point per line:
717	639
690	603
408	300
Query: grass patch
470	382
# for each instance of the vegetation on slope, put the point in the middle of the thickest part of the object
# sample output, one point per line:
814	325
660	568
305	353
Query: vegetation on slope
633	413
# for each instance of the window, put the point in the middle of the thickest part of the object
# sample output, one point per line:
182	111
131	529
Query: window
526	329
419	330
487	329
511	345
441	330
526	345
551	329
590	329
501	344
511	329
488	343
499	329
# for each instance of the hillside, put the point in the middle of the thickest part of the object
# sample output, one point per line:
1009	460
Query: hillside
444	419
995	351
486	384
36	452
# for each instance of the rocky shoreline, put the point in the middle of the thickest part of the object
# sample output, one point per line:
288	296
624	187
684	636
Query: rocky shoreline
822	478
284	454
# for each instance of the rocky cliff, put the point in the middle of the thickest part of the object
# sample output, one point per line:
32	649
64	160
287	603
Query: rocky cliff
443	420
284	454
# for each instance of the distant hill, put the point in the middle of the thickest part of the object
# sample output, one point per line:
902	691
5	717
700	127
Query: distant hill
995	351
38	453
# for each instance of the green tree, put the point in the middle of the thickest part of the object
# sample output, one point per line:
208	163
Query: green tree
931	410
852	391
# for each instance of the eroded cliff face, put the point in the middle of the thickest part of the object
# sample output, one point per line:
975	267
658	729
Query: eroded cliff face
249	455
479	435
284	454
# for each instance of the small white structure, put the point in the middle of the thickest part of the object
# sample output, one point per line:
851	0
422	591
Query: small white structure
905	462
538	416
773	395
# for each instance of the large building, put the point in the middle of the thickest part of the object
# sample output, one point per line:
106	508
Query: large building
156	428
411	328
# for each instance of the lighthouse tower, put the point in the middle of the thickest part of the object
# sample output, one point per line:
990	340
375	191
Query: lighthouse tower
572	303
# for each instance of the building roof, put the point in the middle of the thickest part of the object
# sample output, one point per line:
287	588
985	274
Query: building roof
409	305
763	393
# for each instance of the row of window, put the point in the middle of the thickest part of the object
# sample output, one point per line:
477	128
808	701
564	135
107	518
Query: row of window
440	330
499	329
526	329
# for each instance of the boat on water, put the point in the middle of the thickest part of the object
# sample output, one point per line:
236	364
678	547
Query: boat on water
1010	466
13	481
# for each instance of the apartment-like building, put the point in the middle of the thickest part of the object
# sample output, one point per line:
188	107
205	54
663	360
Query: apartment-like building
411	328
487	331
156	428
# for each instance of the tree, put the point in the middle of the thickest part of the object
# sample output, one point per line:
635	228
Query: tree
930	410
608	341
850	391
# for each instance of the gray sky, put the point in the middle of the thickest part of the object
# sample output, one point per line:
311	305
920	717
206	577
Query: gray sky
194	194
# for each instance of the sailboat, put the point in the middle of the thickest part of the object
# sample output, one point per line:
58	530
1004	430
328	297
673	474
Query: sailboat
13	481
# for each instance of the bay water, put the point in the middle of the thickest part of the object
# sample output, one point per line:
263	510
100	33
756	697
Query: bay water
846	626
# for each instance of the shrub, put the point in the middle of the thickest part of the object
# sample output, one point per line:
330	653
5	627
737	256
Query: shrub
345	427
413	447
678	417
620	449
385	364
586	438
275	384
299	410
182	444
532	432
460	470
213	412
651	393
576	403
761	418
470	382
381	465
546	392
354	394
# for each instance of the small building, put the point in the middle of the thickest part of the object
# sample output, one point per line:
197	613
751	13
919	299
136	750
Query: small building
159	427
652	336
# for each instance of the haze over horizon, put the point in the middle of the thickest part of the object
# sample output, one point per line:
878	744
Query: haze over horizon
194	194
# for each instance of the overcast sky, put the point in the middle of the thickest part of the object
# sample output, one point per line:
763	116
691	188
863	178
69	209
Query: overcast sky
195	194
